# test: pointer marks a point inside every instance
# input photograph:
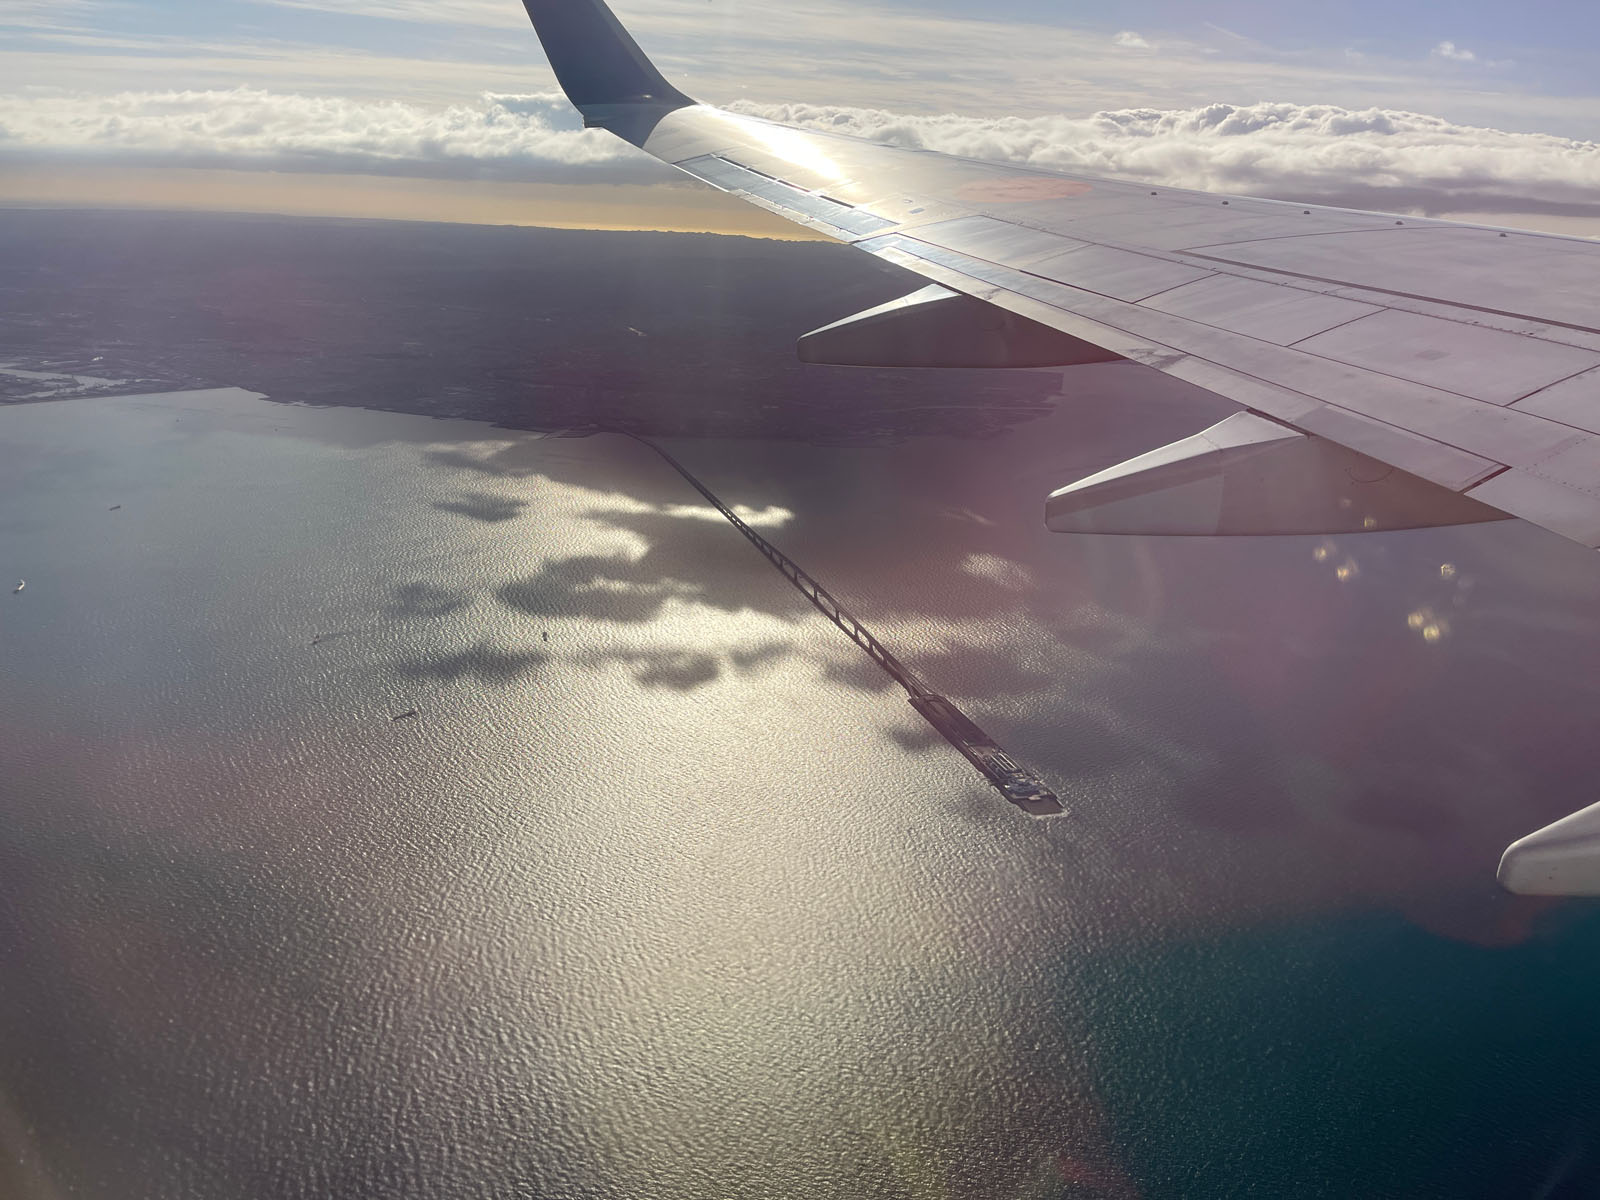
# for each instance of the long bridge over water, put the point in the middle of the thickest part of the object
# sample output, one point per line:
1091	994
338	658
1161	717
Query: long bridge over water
1016	783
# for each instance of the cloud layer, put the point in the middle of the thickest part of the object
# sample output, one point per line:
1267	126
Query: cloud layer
1299	151
501	137
1377	157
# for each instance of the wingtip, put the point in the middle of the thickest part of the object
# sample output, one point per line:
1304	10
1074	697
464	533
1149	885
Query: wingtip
596	60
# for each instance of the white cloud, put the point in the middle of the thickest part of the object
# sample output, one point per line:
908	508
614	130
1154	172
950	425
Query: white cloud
860	52
1130	40
1374	157
1453	52
502	136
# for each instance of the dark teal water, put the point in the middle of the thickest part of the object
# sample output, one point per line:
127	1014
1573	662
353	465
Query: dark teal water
665	893
1353	1056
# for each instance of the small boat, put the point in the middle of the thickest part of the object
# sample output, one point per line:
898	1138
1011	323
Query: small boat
410	712
21	583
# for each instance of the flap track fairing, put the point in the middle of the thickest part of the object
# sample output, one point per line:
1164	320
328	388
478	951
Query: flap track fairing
1562	859
936	327
1249	475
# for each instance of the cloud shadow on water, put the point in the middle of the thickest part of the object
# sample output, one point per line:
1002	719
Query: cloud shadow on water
601	587
686	669
916	738
686	558
860	672
423	599
483	663
1136	677
680	670
483	506
758	656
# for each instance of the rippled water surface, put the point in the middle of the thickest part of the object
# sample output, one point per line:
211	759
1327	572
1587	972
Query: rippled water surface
664	892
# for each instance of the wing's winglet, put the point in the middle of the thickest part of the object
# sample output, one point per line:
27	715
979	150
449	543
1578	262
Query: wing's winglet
597	61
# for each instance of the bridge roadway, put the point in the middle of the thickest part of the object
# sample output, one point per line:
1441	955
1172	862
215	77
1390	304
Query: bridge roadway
1016	783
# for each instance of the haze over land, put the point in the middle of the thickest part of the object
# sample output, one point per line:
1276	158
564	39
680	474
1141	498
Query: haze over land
530	328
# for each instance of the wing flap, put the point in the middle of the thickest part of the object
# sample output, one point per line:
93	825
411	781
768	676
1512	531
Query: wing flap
1562	509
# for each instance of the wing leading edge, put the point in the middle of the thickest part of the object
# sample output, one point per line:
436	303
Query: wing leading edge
1453	368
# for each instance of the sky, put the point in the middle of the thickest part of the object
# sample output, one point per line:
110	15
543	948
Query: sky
446	109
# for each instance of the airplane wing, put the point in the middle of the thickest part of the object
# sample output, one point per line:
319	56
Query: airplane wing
1394	372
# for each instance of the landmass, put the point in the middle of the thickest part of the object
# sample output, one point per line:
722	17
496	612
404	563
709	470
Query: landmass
661	334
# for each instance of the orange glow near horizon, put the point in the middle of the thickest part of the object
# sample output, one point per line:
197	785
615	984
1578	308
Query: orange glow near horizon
663	207
671	208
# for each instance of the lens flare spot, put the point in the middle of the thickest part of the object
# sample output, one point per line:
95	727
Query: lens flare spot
1429	624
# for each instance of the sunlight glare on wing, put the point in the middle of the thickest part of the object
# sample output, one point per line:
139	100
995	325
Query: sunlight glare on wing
800	149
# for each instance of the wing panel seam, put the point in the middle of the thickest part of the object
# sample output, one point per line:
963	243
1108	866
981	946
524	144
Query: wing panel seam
1288	237
1547	386
1351	321
1367	287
